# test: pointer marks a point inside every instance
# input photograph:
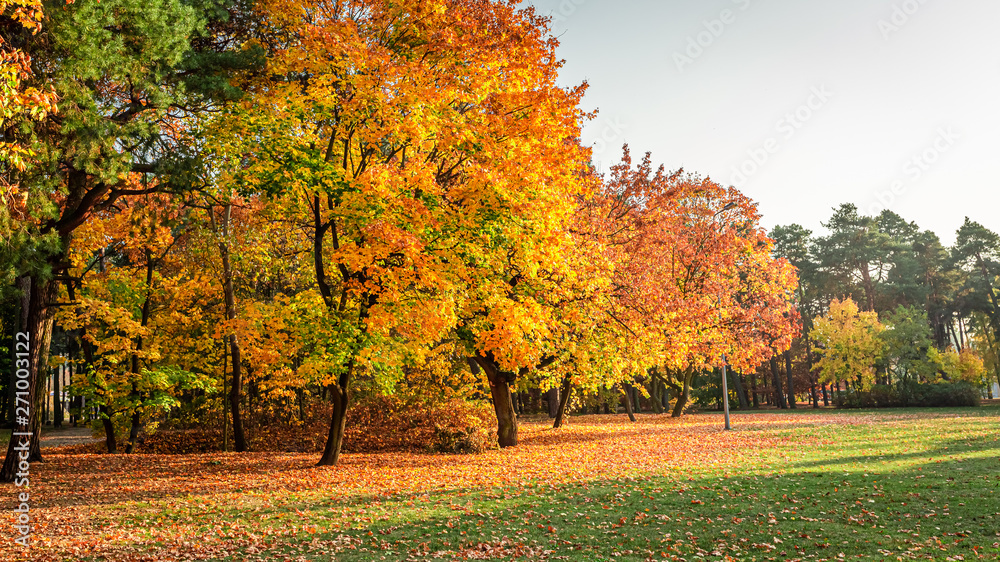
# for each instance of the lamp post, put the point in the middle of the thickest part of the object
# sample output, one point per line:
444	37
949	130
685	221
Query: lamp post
725	382
718	304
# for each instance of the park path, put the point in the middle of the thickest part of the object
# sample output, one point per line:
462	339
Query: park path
69	435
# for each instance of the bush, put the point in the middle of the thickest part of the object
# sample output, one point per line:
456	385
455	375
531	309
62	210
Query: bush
945	395
911	395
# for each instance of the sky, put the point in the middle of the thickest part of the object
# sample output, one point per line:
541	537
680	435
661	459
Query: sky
802	105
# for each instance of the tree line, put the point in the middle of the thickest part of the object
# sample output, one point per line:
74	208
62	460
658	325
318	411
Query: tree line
216	205
885	303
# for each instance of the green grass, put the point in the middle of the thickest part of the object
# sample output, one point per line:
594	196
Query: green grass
897	486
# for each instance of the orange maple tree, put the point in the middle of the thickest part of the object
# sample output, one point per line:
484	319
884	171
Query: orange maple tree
695	275
423	147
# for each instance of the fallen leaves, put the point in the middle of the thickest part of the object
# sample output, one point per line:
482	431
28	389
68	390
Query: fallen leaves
612	478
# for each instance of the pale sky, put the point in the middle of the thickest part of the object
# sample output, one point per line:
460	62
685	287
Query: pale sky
801	104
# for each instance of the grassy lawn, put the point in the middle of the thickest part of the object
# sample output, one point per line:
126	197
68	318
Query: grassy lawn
886	485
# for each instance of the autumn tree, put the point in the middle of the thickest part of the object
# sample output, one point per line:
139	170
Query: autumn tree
425	147
977	253
126	75
701	281
849	344
128	275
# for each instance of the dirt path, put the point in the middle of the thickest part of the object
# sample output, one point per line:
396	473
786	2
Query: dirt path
66	436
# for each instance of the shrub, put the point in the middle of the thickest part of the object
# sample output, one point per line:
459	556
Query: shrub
911	395
946	395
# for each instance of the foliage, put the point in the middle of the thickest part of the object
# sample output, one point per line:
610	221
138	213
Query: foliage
965	366
931	395
909	351
849	344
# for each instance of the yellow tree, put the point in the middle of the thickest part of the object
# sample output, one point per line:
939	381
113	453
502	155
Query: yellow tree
125	290
848	344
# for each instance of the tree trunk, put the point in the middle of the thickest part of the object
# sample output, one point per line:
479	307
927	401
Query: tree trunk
502	402
791	383
236	388
779	396
339	392
564	394
225	397
628	402
235	396
57	410
866	279
552	397
36	297
46	392
741	391
109	431
683	397
753	389
655	397
133	433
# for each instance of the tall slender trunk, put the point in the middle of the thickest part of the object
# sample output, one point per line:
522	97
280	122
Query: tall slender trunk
791	383
564	394
36	297
628	402
46	390
779	396
225	396
741	392
229	294
683	397
753	388
340	392
57	404
133	433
